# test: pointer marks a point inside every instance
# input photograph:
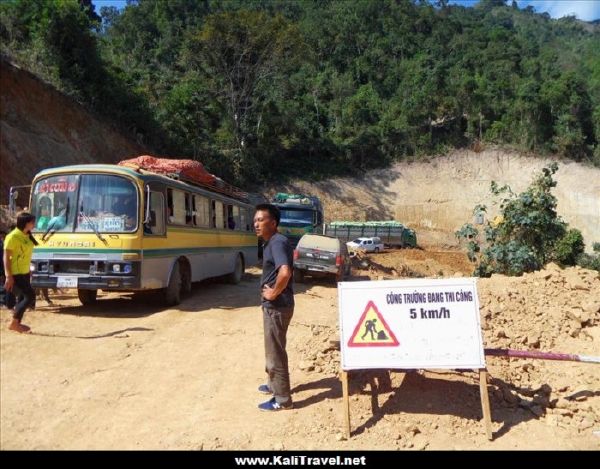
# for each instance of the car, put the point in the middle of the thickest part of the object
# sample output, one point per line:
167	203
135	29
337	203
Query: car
366	244
321	256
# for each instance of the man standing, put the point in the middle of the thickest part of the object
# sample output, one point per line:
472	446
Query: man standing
277	305
18	249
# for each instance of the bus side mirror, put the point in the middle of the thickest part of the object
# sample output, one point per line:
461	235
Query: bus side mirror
12	204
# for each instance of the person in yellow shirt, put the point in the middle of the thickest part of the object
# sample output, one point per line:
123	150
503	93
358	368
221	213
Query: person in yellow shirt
18	249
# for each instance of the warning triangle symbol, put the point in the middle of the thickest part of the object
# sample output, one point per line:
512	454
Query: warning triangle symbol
372	330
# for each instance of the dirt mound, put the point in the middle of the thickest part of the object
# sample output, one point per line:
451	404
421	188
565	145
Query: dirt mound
42	128
549	310
398	263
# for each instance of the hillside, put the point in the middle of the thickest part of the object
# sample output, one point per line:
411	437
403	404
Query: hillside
437	196
42	128
264	90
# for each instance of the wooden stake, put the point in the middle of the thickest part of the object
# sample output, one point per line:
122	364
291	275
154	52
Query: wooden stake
485	403
346	402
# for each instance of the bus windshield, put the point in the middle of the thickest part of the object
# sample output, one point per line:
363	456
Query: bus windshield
292	215
85	203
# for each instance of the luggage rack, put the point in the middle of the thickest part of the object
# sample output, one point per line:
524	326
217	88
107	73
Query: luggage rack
219	185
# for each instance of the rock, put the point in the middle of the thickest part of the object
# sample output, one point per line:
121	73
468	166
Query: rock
576	283
421	445
579	315
340	437
551	420
553	267
533	339
545	274
585	424
412	430
306	366
594	333
278	447
591	306
564	412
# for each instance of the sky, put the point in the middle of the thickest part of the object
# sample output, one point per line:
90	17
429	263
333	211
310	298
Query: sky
587	10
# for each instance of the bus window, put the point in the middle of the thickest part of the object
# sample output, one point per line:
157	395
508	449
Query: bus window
219	219
54	203
225	216
231	221
249	220
188	209
237	225
201	211
176	204
156	223
243	219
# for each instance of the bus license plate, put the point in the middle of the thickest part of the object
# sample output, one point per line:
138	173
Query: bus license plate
66	282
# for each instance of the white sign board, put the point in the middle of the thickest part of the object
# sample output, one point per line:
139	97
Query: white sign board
416	323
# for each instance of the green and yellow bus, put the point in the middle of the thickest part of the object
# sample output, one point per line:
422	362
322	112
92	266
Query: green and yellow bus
115	228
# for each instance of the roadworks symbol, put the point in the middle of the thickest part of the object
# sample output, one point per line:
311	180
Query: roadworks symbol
372	330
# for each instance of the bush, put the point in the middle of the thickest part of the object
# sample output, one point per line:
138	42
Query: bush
527	234
589	261
568	248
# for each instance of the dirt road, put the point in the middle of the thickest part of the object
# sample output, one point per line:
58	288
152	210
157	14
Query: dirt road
128	374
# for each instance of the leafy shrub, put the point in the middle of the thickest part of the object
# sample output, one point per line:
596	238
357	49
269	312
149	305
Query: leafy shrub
526	235
569	247
589	261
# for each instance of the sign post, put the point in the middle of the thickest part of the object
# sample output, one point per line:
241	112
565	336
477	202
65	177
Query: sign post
411	324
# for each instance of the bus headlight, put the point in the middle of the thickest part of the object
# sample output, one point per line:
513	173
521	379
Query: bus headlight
116	268
127	269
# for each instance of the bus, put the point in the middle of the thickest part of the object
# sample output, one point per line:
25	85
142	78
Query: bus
114	228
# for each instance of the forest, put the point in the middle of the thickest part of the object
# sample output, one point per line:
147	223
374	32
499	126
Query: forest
263	90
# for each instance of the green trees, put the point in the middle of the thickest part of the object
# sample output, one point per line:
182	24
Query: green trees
526	235
258	88
243	57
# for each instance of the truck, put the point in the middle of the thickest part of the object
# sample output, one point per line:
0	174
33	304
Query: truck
300	214
392	233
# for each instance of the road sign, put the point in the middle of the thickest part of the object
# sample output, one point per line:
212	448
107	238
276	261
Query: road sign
415	323
372	331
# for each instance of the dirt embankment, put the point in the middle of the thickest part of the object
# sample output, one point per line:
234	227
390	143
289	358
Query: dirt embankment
42	128
437	197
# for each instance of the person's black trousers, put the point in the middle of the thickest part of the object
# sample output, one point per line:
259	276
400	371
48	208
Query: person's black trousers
26	295
276	322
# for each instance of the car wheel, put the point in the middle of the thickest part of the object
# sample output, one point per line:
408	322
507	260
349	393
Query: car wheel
376	249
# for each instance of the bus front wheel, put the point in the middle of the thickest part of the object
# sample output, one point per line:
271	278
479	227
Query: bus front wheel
87	297
173	290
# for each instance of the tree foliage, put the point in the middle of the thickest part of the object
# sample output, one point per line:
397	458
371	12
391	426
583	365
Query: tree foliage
265	88
526	234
